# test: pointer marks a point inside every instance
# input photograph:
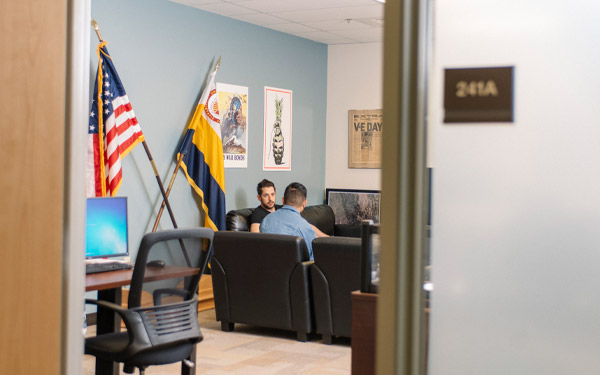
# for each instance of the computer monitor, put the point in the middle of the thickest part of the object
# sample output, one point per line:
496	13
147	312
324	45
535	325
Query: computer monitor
106	227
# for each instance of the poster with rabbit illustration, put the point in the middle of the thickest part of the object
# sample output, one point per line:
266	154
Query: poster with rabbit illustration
277	146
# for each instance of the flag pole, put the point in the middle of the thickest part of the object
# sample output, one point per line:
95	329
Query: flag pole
179	161
156	174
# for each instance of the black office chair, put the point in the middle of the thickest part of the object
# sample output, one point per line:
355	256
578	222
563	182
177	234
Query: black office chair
163	333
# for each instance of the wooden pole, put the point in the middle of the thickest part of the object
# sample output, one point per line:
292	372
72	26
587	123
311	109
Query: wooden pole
166	200
179	161
158	180
162	206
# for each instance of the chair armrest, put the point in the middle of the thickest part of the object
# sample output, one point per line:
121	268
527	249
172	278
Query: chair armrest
136	331
125	314
109	305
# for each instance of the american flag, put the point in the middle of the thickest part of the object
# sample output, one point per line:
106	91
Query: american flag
113	132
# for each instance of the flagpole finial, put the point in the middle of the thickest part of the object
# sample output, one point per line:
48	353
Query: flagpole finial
97	29
218	64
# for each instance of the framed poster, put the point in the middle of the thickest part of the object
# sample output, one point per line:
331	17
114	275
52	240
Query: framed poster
277	146
233	107
365	138
353	206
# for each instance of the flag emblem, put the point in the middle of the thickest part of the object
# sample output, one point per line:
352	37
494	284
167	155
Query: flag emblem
212	107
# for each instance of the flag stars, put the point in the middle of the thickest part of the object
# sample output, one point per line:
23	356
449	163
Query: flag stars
92	128
92	114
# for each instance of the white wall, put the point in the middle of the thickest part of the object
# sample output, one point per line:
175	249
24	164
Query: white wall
516	207
354	81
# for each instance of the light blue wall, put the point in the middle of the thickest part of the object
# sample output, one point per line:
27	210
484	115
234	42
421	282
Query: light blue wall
164	52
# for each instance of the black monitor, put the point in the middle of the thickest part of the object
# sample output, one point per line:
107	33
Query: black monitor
106	227
369	272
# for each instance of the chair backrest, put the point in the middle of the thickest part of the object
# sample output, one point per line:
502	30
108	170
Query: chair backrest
184	247
254	272
320	215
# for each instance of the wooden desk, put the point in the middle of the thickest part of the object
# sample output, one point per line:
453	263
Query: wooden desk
108	285
364	329
364	310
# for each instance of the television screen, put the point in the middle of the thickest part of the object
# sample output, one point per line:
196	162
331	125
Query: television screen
106	227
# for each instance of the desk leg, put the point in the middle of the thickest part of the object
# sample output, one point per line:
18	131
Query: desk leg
107	322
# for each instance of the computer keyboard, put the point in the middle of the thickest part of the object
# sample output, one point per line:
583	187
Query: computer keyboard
97	267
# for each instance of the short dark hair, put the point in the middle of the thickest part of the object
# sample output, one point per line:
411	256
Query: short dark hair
263	184
295	194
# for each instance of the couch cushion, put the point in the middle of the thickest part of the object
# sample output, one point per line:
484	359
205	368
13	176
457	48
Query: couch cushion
321	216
239	220
347	230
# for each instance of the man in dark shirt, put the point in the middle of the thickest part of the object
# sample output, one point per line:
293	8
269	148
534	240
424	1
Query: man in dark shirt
266	197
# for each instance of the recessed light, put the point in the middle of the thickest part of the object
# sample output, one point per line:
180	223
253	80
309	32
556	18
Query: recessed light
380	1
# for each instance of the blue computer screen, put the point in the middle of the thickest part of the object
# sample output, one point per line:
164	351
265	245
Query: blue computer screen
106	227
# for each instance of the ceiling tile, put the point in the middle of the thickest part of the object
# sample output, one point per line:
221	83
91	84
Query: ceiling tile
293	28
331	13
225	9
270	6
196	2
338	24
324	21
261	19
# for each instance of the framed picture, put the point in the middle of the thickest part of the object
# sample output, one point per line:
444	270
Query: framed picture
353	206
277	146
365	138
233	107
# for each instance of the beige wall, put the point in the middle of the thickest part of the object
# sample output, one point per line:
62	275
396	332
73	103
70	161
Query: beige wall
354	81
32	106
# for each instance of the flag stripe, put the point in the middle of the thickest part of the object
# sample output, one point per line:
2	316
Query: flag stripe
202	161
204	137
113	129
199	175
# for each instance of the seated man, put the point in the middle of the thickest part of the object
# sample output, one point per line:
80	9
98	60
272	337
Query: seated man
287	220
266	197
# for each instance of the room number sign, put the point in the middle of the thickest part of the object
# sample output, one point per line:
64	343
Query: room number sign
478	95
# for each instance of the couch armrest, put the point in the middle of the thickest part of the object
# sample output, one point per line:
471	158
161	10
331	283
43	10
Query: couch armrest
321	302
300	292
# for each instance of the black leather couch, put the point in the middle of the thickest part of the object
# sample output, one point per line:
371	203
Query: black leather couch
321	216
335	274
263	280
267	280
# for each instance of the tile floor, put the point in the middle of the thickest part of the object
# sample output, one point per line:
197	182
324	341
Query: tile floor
251	350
